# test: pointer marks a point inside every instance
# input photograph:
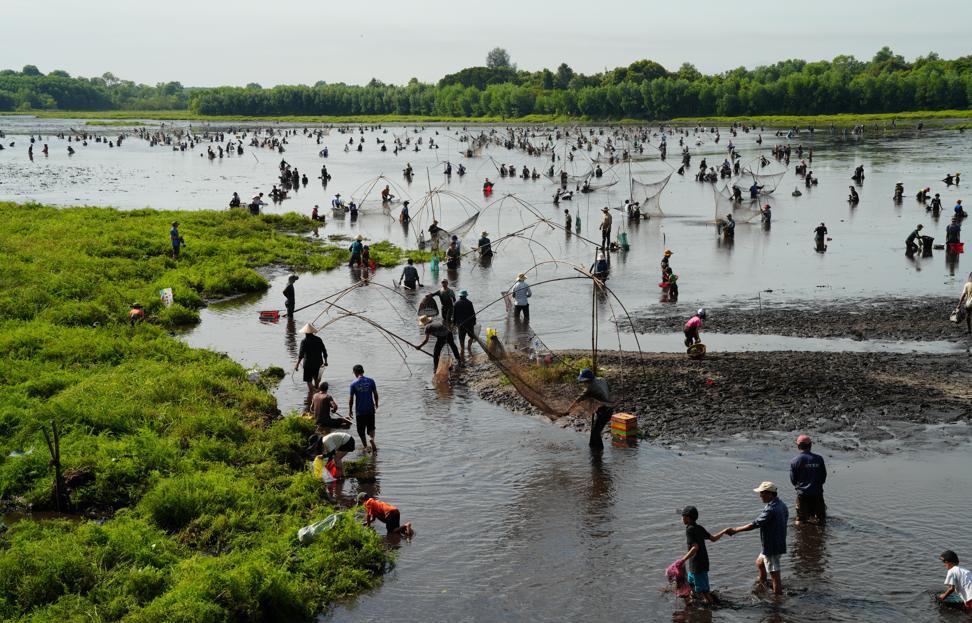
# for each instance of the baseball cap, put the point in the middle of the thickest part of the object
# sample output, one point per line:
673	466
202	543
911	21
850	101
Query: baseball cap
766	485
802	439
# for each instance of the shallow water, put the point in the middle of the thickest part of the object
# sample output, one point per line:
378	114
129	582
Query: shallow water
515	517
517	520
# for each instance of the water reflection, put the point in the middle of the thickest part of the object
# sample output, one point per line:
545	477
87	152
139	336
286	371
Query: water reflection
809	552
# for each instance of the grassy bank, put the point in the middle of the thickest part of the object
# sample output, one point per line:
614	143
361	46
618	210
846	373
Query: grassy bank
82	266
203	483
928	117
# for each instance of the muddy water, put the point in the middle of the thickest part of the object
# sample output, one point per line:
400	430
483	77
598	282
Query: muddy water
515	518
864	258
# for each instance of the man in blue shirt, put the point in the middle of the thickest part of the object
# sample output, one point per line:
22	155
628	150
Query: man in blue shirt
808	473
364	403
772	534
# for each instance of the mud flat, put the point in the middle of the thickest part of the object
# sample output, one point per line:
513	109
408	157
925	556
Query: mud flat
871	397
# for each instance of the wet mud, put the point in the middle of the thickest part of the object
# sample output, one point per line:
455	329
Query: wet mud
871	397
860	319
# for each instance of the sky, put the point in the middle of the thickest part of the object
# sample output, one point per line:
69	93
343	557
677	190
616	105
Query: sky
234	42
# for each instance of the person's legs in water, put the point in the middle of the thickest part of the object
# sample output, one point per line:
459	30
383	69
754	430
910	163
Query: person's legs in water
439	345
455	351
366	425
599	420
760	570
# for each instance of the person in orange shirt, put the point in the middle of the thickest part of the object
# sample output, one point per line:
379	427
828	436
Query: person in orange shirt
136	314
385	513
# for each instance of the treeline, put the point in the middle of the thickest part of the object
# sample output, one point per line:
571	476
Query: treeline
642	90
30	89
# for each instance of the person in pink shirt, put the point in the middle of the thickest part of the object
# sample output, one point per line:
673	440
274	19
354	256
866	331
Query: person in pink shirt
692	328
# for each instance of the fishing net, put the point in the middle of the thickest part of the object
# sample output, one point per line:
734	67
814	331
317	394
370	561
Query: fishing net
762	176
521	379
593	187
462	228
649	194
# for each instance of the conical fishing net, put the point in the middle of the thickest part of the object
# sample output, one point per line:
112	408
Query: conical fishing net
649	194
521	379
762	176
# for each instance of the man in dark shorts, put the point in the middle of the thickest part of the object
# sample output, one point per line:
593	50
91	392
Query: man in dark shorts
464	315
314	356
364	403
336	446
808	473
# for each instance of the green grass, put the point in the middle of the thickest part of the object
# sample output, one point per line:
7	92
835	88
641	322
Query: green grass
114	123
202	483
82	266
929	117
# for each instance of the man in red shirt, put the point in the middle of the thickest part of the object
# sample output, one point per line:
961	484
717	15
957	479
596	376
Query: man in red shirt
385	513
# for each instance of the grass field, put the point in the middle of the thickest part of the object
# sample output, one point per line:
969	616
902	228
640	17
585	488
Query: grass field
199	481
931	117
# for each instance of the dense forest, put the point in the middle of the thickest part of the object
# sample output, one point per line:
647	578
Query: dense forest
642	90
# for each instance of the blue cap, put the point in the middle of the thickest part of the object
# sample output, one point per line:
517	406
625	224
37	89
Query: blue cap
586	375
463	293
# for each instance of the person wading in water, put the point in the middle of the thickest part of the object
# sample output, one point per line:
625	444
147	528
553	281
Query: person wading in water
596	390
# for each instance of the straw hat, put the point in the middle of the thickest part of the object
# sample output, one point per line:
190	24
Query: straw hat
424	320
765	486
308	328
485	233
359	237
520	277
604	209
667	252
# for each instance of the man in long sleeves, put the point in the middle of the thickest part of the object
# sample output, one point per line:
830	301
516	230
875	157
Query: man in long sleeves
521	298
808	473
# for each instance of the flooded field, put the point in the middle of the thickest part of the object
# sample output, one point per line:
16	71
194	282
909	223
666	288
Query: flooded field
516	518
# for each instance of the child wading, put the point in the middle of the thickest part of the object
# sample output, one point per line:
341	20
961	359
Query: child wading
385	513
958	581
697	557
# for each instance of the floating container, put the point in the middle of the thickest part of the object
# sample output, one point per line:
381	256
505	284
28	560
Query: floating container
624	425
272	315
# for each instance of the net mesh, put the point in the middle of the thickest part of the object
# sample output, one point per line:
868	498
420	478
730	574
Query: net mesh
769	181
462	228
649	194
521	379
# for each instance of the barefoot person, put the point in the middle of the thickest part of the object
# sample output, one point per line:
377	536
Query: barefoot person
772	534
697	557
314	355
364	403
336	446
385	513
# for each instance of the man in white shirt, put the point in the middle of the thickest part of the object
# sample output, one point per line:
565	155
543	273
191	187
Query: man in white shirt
958	580
521	294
